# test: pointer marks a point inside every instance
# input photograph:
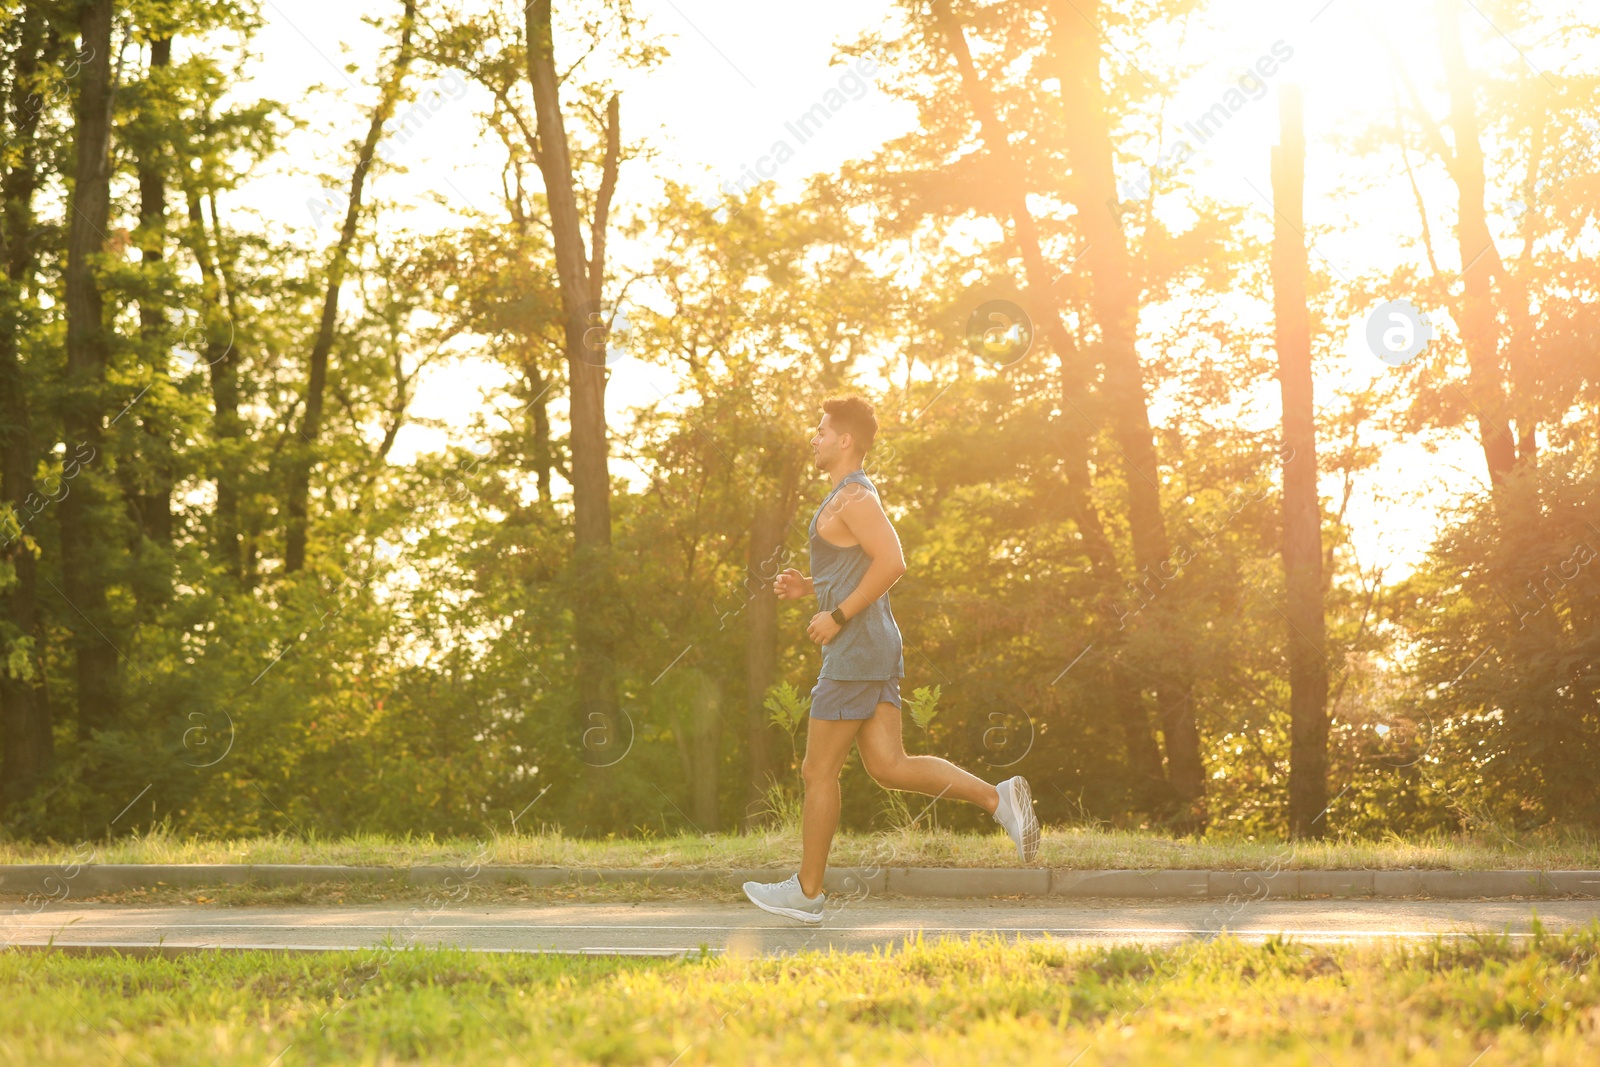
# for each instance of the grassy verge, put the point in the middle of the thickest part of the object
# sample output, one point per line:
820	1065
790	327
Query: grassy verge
1080	849
1483	1002
391	891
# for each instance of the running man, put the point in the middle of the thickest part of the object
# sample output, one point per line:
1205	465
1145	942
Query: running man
855	558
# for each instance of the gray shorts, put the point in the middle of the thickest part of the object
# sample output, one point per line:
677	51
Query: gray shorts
833	699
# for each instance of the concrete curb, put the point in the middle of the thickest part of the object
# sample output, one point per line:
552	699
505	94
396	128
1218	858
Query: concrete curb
55	883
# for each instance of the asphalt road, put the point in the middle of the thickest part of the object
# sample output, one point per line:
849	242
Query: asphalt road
852	925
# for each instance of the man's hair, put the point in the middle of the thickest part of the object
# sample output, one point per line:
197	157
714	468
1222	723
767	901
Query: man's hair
853	415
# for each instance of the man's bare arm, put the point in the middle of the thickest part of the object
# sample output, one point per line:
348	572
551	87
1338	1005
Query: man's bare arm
864	517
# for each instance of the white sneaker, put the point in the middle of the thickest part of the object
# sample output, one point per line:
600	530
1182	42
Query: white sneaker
1015	813
785	898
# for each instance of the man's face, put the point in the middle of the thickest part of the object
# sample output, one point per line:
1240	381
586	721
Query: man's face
827	446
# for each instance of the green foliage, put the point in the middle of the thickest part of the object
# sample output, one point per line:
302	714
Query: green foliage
1506	618
924	705
419	676
788	708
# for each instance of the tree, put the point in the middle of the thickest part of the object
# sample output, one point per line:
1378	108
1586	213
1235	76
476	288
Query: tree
304	449
87	546
1480	260
1075	51
582	282
1505	613
1099	296
219	329
147	460
26	737
1302	510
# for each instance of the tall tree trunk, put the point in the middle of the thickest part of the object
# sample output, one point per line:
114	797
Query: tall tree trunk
1149	790
299	489
1480	260
148	485
223	375
581	280
85	539
533	346
1523	348
1302	513
1143	758
1075	48
26	738
249	526
763	563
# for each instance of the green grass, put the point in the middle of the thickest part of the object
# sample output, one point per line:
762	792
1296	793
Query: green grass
390	891
1081	849
1482	1002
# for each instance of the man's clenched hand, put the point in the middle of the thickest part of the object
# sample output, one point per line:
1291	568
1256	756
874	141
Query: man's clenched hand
822	629
790	585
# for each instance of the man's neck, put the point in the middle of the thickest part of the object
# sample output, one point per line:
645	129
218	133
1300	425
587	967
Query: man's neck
839	473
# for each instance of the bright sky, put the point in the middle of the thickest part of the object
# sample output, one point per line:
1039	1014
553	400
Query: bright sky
738	71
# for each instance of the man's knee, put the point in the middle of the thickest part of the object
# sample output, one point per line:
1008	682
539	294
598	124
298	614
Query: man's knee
885	770
815	774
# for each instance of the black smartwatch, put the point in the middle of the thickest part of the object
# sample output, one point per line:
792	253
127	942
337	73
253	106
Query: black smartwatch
837	615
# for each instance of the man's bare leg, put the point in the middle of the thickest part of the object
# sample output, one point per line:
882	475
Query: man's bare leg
884	756
827	745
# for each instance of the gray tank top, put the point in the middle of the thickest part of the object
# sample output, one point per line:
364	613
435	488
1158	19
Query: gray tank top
868	647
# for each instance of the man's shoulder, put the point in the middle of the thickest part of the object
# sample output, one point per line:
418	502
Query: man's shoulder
857	488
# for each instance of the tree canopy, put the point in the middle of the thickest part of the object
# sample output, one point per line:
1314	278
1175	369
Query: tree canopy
230	604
